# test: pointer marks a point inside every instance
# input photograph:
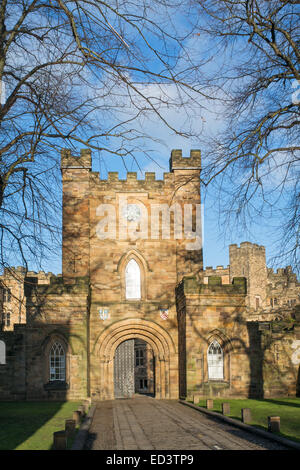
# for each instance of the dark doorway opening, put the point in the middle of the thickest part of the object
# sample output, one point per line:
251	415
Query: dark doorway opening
134	369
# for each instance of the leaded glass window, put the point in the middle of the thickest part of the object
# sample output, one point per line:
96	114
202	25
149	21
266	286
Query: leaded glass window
215	361
133	280
57	362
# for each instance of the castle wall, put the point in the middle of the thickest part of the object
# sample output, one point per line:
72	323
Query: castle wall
103	255
13	372
58	312
13	305
55	312
221	271
283	288
181	311
260	358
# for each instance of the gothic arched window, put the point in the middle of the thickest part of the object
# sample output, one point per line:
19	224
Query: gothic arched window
215	361
6	318
132	280
57	362
2	353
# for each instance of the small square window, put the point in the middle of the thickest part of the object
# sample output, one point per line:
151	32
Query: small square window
143	384
6	318
139	357
6	295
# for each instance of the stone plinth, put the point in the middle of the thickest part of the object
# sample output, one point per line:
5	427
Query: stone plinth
226	408
209	404
77	416
274	423
196	399
70	426
60	440
246	415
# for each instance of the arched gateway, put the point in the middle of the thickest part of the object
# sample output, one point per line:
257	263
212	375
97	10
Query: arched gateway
164	351
134	369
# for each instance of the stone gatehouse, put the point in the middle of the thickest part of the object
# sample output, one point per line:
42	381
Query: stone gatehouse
134	311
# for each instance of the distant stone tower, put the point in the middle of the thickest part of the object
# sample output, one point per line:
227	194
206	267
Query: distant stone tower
249	260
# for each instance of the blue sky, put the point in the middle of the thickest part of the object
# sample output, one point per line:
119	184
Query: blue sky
202	117
216	238
204	121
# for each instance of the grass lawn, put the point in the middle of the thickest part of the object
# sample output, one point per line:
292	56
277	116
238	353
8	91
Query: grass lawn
287	408
30	425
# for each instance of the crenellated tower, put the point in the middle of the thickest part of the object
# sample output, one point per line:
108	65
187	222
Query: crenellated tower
249	260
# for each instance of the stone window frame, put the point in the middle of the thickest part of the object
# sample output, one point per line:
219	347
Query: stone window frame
50	341
227	348
213	343
257	302
57	351
6	295
6	318
144	269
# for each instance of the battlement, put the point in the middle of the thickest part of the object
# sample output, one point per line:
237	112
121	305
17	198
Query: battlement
70	161
12	271
190	285
246	246
113	181
282	275
178	162
220	267
57	286
150	182
20	274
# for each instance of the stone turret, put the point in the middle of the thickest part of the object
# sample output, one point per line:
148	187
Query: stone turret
178	162
82	161
249	260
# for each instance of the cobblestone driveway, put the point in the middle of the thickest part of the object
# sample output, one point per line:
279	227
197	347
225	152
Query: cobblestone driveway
144	423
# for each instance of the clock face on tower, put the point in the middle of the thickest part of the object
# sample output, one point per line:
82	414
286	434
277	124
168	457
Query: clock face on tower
131	212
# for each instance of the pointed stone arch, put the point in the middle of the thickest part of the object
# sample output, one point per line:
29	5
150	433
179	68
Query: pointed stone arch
222	338
165	352
55	337
137	255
